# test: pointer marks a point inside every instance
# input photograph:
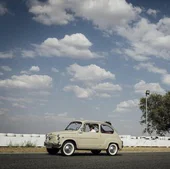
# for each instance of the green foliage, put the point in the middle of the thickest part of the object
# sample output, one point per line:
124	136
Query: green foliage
158	113
30	144
25	144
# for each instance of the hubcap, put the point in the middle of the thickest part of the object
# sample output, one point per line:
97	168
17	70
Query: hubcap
68	148
112	149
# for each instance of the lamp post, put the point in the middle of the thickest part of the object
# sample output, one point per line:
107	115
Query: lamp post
147	94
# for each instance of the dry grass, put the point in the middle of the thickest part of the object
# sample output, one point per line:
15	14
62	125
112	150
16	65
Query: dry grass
43	149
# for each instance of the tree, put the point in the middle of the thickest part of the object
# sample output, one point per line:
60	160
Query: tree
158	113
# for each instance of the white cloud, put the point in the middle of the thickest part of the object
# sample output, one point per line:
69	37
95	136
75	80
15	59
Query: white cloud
1	74
65	114
25	72
142	86
18	105
71	46
114	12
152	12
27	82
53	69
79	92
106	87
103	90
5	55
3	111
146	39
90	73
166	79
126	106
51	13
58	117
40	93
28	53
12	99
150	67
34	69
6	68
31	70
3	9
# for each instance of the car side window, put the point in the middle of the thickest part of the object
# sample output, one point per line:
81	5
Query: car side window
106	129
88	127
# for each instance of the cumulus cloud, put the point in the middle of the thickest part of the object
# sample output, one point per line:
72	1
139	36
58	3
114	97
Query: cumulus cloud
103	90
31	70
150	67
6	68
152	12
146	39
115	12
51	12
106	87
53	69
17	105
3	9
166	79
27	82
71	46
12	99
142	86
3	111
5	55
28	53
90	73
79	91
34	69
126	106
93	79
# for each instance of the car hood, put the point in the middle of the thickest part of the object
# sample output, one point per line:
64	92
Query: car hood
63	132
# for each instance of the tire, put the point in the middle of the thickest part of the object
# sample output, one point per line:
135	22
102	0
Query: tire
52	151
68	148
112	149
95	152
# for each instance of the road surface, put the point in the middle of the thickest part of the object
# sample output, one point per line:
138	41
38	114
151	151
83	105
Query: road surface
86	161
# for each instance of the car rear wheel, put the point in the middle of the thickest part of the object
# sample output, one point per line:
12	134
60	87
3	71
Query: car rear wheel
112	149
68	148
52	151
96	152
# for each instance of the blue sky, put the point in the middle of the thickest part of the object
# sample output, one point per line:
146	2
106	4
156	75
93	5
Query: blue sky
62	60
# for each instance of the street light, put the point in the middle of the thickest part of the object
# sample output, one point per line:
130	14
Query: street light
147	94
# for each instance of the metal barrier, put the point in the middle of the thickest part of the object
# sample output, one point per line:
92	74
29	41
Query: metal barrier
11	139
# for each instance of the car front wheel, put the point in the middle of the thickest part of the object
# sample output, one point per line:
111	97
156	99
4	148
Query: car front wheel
68	148
96	152
112	149
52	151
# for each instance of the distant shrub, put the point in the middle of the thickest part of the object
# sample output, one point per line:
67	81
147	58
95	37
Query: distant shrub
25	144
30	144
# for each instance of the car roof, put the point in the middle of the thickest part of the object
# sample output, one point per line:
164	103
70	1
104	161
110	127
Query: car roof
91	121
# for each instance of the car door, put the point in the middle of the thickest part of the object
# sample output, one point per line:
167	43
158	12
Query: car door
107	135
88	139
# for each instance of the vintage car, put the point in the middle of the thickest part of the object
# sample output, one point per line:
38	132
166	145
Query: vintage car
84	135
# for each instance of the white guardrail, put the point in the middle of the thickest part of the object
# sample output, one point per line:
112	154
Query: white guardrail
11	139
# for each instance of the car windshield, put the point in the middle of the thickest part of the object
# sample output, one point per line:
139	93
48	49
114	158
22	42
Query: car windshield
74	126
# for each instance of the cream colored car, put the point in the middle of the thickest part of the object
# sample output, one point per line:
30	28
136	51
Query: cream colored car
84	135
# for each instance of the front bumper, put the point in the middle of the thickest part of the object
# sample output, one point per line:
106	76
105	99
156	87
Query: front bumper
51	145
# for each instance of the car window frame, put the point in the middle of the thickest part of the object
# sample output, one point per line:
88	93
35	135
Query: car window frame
112	132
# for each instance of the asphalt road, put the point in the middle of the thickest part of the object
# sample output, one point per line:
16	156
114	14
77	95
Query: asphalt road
86	161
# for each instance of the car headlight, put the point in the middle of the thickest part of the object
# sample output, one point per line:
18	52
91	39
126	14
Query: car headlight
58	137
